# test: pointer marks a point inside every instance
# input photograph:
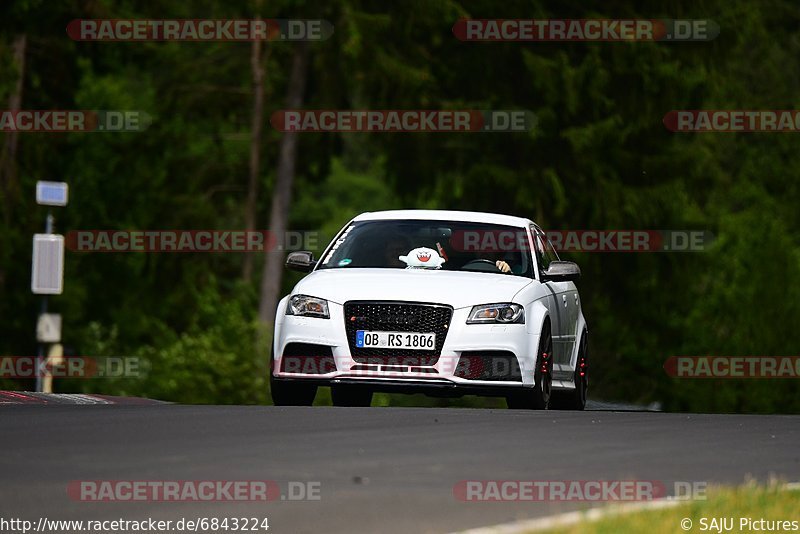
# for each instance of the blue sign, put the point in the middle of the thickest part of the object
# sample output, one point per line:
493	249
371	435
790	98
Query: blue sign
52	193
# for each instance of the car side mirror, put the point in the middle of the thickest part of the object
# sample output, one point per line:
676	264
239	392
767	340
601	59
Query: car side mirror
302	261
562	271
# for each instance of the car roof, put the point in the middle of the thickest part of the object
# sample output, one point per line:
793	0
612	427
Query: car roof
445	215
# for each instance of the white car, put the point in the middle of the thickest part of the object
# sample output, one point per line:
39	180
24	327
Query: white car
438	302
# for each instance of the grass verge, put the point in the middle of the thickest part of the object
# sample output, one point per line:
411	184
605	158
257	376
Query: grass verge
738	509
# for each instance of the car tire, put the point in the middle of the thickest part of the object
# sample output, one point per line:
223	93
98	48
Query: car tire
576	399
290	393
351	396
538	397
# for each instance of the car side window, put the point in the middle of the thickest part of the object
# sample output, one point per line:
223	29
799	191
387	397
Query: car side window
544	250
539	245
549	252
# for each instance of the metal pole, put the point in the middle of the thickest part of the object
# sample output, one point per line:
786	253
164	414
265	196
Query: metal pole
42	352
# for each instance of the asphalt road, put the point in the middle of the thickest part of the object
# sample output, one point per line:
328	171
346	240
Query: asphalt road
379	469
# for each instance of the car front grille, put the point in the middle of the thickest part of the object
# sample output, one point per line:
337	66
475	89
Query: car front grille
396	317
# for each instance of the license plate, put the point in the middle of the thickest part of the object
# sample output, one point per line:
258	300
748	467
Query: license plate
395	340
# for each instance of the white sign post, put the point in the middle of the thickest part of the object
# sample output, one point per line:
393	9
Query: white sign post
47	268
47	273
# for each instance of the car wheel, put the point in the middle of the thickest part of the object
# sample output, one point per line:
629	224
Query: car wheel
290	393
351	396
538	397
576	399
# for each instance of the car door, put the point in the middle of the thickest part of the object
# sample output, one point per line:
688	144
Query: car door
556	304
569	304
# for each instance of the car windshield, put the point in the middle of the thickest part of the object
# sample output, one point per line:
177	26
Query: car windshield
445	245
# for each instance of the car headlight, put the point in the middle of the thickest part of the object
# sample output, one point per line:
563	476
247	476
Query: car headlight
306	306
497	313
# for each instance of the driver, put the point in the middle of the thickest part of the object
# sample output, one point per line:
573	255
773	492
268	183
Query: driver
396	246
501	265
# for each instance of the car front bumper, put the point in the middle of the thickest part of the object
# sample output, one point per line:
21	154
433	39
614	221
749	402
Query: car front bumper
464	347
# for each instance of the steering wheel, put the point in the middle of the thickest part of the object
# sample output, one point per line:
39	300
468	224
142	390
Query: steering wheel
480	265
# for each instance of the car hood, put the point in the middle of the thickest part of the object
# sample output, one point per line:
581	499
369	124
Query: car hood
458	289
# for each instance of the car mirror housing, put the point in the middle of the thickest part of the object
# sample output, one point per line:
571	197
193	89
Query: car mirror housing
562	271
302	261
